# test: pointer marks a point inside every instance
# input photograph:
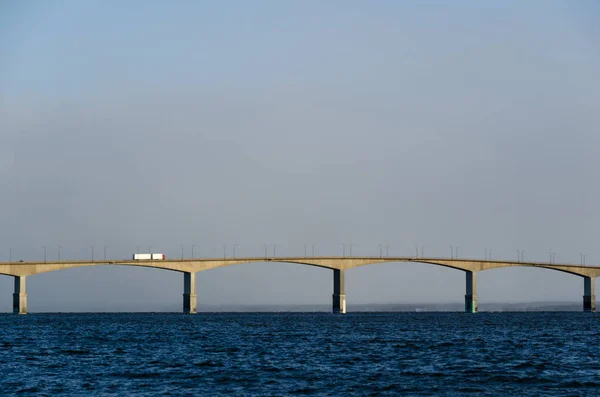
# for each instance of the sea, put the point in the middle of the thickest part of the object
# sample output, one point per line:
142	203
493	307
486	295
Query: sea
312	354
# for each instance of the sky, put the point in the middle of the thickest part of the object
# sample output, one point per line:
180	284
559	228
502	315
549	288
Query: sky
151	125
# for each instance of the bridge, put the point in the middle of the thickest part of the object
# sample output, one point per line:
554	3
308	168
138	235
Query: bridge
189	267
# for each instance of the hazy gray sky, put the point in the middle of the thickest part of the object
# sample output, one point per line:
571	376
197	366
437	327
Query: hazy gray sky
472	124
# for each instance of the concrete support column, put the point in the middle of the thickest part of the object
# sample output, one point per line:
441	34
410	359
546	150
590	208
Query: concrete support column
20	295
589	298
189	293
339	293
471	292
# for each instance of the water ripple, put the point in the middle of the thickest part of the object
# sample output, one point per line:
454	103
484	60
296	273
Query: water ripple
379	354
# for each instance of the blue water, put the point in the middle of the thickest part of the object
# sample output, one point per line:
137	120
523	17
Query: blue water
450	354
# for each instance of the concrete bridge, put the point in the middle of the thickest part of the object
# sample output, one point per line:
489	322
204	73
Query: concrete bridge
189	267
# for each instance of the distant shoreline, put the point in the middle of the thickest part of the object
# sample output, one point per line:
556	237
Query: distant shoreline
374	307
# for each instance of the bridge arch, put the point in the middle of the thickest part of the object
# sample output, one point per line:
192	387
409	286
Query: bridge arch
204	266
105	288
513	265
479	266
262	284
530	284
406	285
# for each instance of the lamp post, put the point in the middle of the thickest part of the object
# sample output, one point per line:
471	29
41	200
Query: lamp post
193	246
92	247
105	247
313	250
387	250
343	250
518	255
380	250
550	253
224	251
44	253
10	254
181	251
451	252
456	256
350	246
265	250
274	245
234	246
304	251
58	252
553	258
488	254
422	249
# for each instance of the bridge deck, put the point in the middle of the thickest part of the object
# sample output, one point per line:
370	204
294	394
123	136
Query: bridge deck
329	262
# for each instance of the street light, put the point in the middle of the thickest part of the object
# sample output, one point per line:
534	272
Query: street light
224	251
44	253
550	253
553	259
92	247
518	255
181	251
380	250
234	245
387	250
451	252
274	245
193	245
58	253
304	251
10	254
422	248
343	250
313	250
351	245
456	256
265	250
105	247
417	249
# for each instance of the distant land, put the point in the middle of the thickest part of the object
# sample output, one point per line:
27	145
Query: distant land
374	307
397	307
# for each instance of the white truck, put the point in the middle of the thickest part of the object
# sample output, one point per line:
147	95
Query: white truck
148	257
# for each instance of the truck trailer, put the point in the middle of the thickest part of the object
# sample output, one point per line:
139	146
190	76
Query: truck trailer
148	257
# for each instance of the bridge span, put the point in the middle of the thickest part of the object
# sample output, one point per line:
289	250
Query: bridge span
189	267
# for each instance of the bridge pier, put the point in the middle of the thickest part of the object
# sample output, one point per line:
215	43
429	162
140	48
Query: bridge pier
20	295
589	298
189	293
339	293
471	292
